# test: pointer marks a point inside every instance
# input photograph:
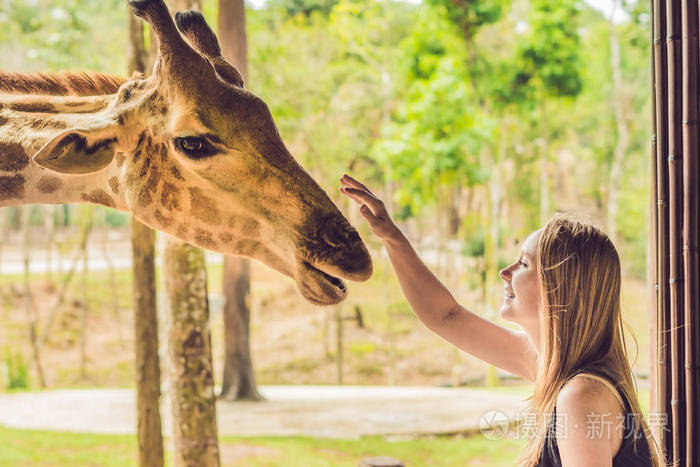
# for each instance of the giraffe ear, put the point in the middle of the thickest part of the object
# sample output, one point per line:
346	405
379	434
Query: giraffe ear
77	152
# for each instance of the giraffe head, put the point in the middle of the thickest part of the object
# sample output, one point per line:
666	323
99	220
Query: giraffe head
199	157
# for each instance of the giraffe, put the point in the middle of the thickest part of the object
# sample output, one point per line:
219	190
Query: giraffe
187	151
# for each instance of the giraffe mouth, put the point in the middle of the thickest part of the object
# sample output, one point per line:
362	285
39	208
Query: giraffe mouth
319	287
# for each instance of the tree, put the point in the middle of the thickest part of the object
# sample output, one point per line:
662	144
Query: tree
548	69
239	377
189	343
145	313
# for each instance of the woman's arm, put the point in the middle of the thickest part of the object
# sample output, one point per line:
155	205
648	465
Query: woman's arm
434	304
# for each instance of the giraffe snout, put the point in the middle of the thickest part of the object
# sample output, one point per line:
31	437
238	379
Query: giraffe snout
346	254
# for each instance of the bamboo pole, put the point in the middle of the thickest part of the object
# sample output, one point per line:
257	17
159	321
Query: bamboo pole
691	205
660	63
675	213
652	260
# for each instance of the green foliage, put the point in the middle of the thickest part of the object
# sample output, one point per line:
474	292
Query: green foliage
549	56
303	7
63	34
435	134
470	15
17	374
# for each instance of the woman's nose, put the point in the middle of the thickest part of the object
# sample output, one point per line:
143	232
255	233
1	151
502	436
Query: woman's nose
505	274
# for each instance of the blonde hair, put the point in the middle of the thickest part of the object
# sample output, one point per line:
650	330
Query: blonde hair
581	327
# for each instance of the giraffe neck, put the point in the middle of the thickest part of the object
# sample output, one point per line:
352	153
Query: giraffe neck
27	123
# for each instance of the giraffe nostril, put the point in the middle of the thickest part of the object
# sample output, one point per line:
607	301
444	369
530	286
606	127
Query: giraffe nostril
338	233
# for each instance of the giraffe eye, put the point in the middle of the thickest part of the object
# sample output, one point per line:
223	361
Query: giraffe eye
194	147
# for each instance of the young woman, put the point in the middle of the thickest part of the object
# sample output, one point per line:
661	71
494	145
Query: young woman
564	291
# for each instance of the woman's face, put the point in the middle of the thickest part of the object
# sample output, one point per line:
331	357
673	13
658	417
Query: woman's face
521	298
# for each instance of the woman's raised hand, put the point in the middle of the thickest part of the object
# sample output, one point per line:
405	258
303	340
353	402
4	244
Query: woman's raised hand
371	208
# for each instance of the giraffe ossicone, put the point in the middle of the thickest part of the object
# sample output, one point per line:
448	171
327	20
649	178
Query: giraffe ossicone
187	151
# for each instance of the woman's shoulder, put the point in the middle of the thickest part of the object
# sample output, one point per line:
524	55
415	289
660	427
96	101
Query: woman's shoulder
588	414
592	392
593	397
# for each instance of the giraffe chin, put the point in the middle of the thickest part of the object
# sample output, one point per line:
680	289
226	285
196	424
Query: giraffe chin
318	287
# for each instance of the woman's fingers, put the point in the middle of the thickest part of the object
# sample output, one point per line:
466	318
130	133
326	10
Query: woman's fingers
364	198
367	213
347	180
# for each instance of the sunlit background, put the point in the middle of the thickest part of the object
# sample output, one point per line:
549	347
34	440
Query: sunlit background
474	126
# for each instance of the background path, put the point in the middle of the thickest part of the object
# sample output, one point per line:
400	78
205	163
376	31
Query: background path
324	411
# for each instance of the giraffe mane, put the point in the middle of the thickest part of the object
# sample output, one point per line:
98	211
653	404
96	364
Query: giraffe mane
64	83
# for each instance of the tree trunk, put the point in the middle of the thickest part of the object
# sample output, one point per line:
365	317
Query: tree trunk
146	342
189	341
50	230
239	377
29	305
85	222
111	279
145	313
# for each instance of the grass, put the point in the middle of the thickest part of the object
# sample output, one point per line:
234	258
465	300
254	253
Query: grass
43	448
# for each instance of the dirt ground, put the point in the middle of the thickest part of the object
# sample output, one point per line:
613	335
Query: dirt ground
293	342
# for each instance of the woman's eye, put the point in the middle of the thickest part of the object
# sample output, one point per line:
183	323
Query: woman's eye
522	264
194	147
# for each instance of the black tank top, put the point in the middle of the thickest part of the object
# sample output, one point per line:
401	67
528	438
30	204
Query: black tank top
630	454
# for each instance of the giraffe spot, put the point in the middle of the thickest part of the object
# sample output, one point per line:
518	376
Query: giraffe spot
144	198
3	120
226	237
126	95
245	246
176	173
11	187
99	196
33	107
37	124
232	221
49	184
170	196
203	207
40	124
114	185
121	158
181	233
148	190
145	166
203	238
74	104
131	179
163	152
161	219
13	157
137	152
251	229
